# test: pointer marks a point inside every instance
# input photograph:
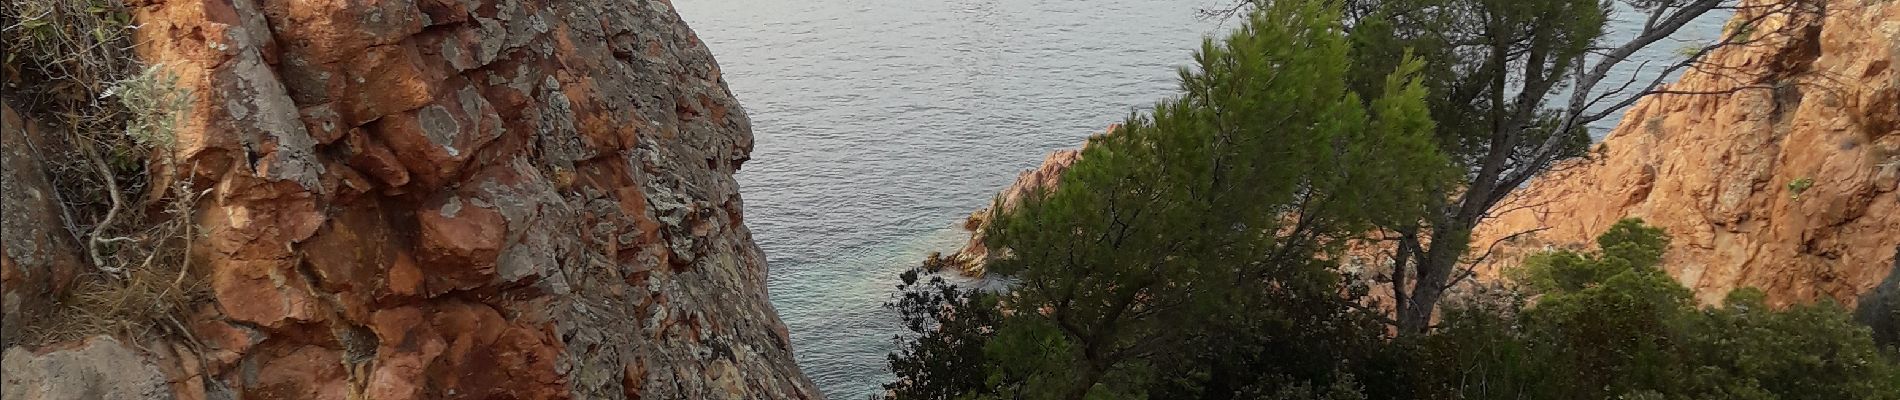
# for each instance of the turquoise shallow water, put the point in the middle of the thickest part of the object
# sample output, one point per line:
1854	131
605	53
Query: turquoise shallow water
881	123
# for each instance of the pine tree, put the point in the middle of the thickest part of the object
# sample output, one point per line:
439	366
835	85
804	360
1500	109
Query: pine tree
1496	69
1214	215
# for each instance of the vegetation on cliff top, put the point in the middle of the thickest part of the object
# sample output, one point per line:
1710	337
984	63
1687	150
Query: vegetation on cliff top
1194	252
1607	324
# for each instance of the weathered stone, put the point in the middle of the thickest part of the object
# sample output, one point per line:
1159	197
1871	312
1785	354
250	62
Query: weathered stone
376	159
460	241
424	355
303	372
421	199
264	292
323	123
388	79
98	368
434	141
38	256
335	30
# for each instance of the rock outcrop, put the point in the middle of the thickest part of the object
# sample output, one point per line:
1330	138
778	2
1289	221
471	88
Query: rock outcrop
1784	184
421	199
975	254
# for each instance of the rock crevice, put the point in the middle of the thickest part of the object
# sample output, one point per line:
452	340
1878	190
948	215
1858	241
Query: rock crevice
415	199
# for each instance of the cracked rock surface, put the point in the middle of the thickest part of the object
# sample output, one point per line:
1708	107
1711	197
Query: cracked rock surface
485	199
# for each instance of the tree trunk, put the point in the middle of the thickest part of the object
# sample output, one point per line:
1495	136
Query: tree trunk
1090	375
1434	266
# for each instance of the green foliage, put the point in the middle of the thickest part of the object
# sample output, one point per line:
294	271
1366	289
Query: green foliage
1193	252
1746	349
1880	308
1798	186
1691	50
63	58
155	103
1478	352
1739	32
1203	226
1180	223
1627	246
942	355
1492	67
1466	44
78	47
1607	324
1613	325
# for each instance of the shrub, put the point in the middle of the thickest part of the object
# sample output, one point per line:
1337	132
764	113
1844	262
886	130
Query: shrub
1611	324
1798	186
69	64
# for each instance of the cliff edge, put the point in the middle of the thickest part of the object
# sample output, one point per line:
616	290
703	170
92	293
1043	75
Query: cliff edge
419	199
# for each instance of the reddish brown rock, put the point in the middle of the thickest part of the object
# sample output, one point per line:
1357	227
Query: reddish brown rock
421	350
327	31
1787	184
434	141
308	372
372	157
388	80
460	241
423	199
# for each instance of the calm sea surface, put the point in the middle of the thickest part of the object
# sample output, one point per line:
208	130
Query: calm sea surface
881	123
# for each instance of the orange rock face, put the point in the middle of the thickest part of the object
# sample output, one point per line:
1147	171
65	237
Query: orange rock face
1787	184
423	199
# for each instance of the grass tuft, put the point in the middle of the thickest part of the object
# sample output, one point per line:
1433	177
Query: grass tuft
69	65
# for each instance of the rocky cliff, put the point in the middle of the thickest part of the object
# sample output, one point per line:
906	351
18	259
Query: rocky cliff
419	199
1784	182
